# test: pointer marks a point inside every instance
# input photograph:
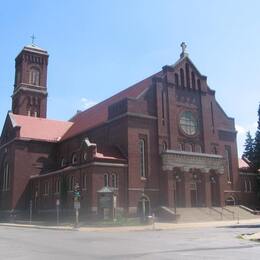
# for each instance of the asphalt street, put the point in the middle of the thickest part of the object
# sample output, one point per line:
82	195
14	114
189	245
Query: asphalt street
193	243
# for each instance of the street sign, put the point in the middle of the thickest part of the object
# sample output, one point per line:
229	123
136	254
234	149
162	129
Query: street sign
57	202
76	205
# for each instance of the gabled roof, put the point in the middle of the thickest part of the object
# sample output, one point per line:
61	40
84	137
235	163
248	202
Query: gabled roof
242	164
98	114
190	61
39	128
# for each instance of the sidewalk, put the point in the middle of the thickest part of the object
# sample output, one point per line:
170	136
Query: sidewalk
171	226
156	226
68	228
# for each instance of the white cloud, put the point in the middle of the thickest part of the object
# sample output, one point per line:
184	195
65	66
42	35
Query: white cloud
87	103
240	130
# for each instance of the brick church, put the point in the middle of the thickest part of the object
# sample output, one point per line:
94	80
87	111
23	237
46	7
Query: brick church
164	141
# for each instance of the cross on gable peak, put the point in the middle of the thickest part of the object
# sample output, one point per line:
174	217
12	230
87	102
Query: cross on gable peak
183	47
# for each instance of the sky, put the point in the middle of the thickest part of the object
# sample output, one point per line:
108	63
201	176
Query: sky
98	48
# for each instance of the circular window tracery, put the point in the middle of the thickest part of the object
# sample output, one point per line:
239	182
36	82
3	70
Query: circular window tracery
188	123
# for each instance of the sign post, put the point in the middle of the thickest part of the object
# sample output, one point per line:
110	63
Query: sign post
31	211
76	203
77	207
58	211
114	207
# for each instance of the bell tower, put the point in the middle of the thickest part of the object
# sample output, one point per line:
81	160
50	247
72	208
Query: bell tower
30	85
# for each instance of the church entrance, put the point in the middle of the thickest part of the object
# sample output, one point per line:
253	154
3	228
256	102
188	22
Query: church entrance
215	200
197	190
194	195
179	192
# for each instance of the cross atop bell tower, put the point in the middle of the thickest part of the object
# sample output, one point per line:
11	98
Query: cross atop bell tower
33	38
30	85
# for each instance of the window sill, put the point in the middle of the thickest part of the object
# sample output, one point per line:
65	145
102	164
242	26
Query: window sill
6	190
143	179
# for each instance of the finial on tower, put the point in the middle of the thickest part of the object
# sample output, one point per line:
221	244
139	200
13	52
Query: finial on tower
33	38
183	47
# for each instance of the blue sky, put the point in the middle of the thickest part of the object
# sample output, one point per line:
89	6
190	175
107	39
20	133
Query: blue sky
98	48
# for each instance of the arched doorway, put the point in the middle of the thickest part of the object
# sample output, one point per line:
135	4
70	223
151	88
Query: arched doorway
231	201
179	190
143	208
214	185
197	190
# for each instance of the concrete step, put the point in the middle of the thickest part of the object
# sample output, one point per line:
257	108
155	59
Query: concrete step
242	213
189	215
197	215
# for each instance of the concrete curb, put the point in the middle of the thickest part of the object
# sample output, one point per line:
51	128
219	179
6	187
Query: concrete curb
61	228
155	227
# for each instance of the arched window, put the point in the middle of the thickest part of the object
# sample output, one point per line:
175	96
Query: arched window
6	177
114	180
62	163
229	167
249	186
85	155
71	183
84	182
182	78
245	186
214	150
188	123
34	77
163	107
193	82
188	147
198	84
106	180
46	187
198	148
176	76
180	147
57	186
164	146
142	152
74	159
18	77
187	70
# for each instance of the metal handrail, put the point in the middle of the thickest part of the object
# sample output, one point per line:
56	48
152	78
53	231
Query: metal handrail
220	213
229	211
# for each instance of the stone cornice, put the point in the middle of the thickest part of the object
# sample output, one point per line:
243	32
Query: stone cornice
31	88
188	161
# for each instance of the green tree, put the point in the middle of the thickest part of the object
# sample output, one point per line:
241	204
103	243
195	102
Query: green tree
257	143
249	149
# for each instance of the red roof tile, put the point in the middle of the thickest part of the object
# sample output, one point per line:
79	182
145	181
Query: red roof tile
40	128
242	164
109	153
98	114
